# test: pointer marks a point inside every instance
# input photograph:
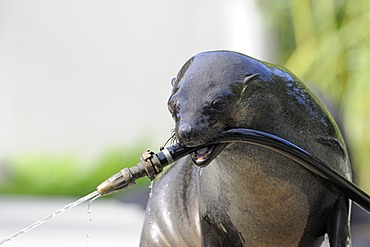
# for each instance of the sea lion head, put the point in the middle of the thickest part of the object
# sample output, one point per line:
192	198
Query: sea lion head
219	90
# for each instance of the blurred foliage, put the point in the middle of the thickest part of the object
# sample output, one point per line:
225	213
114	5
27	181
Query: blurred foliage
327	43
47	174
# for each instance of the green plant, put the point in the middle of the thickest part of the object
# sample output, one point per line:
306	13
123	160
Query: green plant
327	43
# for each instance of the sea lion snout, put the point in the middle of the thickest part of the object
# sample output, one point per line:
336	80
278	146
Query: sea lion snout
193	133
184	131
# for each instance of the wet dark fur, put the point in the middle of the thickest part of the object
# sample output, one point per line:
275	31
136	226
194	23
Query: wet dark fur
248	196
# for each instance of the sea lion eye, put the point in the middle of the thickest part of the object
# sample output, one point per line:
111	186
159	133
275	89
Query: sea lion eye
218	105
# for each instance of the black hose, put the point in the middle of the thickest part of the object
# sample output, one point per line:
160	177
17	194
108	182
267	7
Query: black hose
301	156
169	155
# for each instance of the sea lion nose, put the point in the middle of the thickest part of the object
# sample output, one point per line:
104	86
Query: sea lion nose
185	131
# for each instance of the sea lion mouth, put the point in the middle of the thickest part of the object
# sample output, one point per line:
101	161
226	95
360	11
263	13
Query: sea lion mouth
204	155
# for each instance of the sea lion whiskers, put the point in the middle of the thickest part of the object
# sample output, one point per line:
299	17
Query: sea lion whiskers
173	139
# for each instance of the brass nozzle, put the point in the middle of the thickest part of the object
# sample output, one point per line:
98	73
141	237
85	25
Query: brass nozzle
150	165
112	184
125	178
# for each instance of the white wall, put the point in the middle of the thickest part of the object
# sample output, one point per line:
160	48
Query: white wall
81	76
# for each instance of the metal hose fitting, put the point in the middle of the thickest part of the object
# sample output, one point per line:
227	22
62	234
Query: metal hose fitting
151	164
127	176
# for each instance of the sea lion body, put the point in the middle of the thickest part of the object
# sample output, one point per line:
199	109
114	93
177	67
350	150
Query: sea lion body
247	195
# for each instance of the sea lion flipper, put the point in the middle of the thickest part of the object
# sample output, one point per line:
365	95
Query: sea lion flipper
338	225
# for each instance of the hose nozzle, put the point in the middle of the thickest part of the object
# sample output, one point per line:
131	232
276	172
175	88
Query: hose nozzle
115	182
151	164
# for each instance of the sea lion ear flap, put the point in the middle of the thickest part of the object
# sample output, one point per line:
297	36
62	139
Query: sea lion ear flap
250	77
173	80
247	79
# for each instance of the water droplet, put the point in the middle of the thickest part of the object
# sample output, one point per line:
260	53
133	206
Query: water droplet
150	195
151	188
88	209
89	205
150	223
200	171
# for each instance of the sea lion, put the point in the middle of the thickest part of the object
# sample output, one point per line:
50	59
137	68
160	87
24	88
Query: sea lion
241	194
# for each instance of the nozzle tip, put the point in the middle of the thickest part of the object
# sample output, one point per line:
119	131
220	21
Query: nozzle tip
112	184
104	188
